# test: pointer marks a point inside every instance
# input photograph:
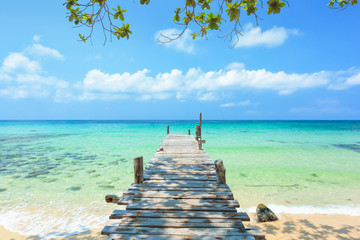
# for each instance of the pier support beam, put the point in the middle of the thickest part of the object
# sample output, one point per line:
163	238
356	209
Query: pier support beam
138	170
220	172
197	132
168	129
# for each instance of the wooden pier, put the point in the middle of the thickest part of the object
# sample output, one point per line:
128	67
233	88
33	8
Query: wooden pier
182	194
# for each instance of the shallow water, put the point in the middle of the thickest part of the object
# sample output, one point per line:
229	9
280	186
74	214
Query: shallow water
55	174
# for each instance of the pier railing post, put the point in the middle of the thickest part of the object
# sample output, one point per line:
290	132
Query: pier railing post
189	131
220	172
197	127
138	170
168	129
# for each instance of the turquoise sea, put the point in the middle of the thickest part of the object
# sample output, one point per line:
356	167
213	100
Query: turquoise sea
54	174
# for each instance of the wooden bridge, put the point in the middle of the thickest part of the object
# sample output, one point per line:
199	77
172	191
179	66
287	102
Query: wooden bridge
182	194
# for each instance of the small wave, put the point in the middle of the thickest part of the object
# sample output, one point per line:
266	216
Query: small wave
352	210
46	225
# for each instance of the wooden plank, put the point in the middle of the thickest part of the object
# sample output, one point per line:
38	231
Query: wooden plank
183	189
184	171
181	155
119	214
183	182
181	223
179	184
180	167
180	195
183	204
125	236
257	233
183	162
178	177
189	232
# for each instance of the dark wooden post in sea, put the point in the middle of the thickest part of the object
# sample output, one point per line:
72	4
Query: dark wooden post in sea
189	132
220	171
168	129
197	132
138	170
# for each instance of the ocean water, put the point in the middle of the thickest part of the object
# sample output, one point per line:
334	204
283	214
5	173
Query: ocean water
54	174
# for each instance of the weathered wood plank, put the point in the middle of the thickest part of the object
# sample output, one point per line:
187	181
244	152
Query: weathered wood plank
181	223
118	214
190	232
210	205
180	195
183	171
180	167
183	162
125	236
183	182
180	184
187	190
178	177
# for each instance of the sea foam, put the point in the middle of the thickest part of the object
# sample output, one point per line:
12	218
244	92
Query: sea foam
48	225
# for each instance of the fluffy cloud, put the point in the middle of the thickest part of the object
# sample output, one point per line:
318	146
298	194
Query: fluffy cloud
253	36
183	44
18	62
40	50
23	77
211	85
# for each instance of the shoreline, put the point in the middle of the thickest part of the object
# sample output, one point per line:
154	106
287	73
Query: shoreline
289	226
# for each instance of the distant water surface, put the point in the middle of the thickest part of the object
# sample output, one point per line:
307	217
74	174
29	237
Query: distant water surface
54	174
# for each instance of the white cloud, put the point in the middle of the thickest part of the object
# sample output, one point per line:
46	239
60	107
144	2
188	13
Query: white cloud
18	62
209	85
242	103
209	96
253	36
345	79
183	44
37	38
40	50
22	77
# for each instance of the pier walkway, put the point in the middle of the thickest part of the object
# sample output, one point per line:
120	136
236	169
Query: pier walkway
181	195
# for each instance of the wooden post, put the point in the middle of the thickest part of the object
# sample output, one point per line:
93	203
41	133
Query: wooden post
220	172
197	132
168	130
200	122
138	170
200	119
189	131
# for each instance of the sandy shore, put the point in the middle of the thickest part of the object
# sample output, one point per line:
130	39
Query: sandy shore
290	226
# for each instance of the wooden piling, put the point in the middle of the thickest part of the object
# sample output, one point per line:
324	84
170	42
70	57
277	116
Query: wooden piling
168	129
220	172
197	127
189	132
138	170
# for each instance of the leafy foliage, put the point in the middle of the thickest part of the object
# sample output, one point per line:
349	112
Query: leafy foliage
205	14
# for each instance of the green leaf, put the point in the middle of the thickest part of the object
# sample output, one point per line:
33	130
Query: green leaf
142	2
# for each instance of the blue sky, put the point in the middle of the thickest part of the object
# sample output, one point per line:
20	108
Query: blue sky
301	64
